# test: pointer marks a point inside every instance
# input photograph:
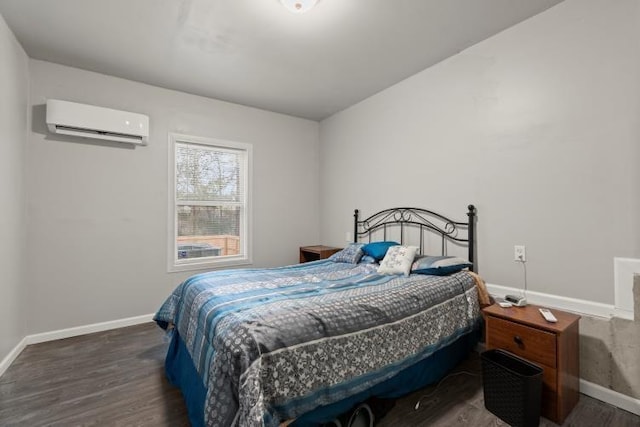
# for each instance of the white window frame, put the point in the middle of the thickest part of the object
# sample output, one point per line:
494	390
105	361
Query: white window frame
244	258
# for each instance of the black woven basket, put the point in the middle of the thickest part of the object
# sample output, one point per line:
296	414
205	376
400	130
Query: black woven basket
512	388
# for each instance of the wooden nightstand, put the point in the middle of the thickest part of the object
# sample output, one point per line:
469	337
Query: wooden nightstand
553	346
314	253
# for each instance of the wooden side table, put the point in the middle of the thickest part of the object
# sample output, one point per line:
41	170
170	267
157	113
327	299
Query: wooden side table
553	346
314	253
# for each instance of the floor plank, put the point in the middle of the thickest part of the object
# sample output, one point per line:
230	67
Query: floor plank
116	378
459	401
108	378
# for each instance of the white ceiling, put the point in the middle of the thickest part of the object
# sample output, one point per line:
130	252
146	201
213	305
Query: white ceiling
255	52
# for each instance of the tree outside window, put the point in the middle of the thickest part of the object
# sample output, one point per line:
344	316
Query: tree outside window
210	189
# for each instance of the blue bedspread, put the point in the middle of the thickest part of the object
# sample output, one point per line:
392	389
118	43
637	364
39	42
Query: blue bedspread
272	344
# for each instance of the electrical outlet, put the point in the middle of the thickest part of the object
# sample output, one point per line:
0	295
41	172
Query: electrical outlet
347	236
519	253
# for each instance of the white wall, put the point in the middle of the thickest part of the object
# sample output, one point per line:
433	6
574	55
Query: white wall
97	213
14	89
537	126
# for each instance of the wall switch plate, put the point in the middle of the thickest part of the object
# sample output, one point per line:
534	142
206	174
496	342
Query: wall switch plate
347	236
519	253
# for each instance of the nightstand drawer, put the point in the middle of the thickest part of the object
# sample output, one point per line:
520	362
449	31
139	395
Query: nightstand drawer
533	344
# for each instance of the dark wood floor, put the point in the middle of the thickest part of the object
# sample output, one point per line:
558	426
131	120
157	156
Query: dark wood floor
113	378
116	378
459	401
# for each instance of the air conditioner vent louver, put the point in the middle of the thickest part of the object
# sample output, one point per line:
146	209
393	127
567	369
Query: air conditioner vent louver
88	121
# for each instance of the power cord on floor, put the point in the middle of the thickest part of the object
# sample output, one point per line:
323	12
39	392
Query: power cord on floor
441	381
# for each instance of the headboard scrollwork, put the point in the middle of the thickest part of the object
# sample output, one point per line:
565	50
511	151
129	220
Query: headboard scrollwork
425	221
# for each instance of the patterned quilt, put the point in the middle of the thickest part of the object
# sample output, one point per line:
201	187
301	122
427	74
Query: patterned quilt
272	344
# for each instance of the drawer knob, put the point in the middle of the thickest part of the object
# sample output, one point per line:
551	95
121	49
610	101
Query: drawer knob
518	340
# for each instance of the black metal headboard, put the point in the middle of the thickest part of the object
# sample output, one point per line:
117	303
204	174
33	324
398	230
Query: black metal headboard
424	220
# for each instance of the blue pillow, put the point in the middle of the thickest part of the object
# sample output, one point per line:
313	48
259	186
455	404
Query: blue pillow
439	265
351	254
378	250
367	260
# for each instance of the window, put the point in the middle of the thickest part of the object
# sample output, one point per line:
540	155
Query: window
209	203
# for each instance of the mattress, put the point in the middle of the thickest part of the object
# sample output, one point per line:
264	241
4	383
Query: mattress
260	346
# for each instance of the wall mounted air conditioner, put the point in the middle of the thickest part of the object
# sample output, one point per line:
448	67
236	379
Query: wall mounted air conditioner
89	121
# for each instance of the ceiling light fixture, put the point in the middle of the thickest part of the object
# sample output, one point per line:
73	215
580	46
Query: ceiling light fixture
299	6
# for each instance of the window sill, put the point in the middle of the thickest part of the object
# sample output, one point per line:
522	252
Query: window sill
209	265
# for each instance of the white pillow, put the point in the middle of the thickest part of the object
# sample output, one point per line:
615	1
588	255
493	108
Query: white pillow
398	260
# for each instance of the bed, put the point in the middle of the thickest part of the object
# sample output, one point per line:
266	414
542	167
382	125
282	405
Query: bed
304	343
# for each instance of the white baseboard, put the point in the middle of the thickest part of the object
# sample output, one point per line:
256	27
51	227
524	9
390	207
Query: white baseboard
611	397
575	305
13	355
68	333
590	389
87	329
